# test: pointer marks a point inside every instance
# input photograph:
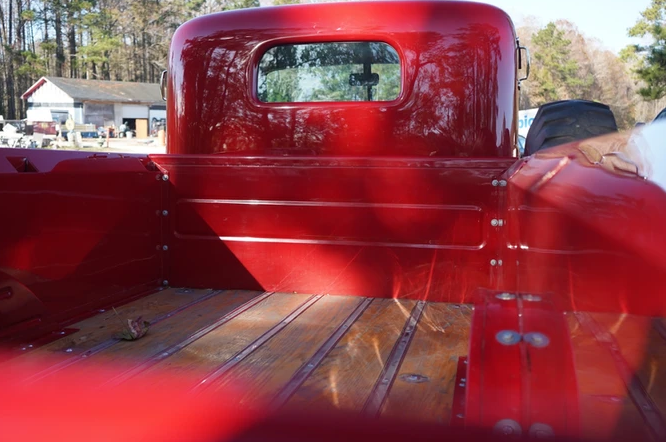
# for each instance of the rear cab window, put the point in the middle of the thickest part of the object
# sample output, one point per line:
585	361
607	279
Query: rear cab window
329	72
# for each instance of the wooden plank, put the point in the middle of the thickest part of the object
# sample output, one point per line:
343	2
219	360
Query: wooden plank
271	366
644	350
423	388
104	326
214	349
173	330
607	412
346	377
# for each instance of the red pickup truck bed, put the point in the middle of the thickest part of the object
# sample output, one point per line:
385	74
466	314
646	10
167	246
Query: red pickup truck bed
404	359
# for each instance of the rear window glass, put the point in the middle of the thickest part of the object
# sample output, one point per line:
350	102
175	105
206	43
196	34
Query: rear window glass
350	71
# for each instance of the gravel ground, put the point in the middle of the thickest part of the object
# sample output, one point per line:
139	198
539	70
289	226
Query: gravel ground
118	145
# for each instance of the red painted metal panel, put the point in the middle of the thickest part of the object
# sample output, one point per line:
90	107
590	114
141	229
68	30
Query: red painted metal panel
593	238
525	384
80	233
458	83
363	226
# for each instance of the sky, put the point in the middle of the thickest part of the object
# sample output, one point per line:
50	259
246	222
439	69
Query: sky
605	20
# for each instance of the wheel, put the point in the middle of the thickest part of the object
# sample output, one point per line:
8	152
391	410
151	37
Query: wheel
566	121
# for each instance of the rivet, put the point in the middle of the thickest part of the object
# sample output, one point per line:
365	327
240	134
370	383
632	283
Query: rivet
508	337
502	183
494	223
165	177
165	282
535	339
493	262
165	212
531	298
495	183
499	263
165	248
506	296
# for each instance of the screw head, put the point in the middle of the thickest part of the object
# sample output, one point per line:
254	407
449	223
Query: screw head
502	183
495	183
508	337
165	282
165	177
508	427
494	223
165	212
165	248
535	339
541	431
493	262
499	263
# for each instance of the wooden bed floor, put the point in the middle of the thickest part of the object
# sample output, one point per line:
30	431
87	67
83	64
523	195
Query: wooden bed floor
377	356
620	363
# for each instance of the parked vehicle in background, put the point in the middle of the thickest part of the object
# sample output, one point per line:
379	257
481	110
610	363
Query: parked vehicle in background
341	243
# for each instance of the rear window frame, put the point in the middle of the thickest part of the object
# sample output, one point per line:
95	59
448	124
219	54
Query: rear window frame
262	49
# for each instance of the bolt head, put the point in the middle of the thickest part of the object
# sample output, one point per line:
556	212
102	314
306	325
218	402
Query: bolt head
508	337
535	339
508	427
541	431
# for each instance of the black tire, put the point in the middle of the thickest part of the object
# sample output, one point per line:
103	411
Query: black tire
566	121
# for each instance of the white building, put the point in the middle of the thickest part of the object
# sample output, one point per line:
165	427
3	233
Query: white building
97	102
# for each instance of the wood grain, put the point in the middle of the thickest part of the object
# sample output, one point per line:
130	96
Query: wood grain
172	330
270	367
215	348
105	325
346	376
643	349
603	395
442	336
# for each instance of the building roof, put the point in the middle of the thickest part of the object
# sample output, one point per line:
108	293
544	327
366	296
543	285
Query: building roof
99	90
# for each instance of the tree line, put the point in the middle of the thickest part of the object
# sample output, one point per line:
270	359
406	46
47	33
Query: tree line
129	41
92	39
568	65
